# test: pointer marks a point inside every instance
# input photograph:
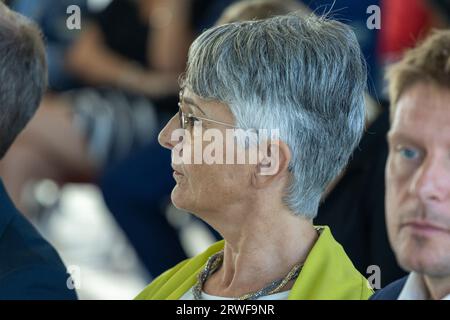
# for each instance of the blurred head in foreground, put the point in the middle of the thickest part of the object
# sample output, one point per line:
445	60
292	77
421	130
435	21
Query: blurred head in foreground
23	74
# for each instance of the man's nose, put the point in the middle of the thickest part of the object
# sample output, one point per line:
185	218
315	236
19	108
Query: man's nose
432	181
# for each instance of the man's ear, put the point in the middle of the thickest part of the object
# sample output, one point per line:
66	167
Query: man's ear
273	164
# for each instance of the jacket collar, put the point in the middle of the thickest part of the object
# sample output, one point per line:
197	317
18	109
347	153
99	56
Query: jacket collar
327	274
7	209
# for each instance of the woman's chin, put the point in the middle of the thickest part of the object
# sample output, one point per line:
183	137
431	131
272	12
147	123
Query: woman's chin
178	198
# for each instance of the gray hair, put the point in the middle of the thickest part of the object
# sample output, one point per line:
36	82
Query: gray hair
302	75
23	74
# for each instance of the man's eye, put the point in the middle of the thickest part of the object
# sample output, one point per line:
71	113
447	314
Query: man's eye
408	153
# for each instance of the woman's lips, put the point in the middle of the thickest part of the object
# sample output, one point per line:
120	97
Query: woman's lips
176	172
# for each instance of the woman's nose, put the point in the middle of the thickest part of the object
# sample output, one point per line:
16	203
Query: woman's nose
164	137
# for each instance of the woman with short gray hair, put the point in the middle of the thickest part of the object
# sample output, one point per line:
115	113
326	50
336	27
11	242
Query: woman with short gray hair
292	90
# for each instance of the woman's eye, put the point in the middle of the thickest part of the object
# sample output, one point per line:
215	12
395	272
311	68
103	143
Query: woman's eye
192	120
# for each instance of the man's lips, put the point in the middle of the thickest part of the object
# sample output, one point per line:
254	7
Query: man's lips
424	226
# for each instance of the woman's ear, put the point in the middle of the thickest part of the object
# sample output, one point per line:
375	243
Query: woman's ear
273	163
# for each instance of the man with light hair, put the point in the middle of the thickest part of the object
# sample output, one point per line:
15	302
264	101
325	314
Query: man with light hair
418	171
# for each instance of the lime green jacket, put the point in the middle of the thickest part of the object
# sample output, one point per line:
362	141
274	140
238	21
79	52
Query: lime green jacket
327	274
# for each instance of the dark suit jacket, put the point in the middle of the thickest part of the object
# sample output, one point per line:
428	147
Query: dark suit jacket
391	291
29	267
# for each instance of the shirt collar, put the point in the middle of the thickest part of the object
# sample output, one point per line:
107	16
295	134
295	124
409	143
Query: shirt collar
415	289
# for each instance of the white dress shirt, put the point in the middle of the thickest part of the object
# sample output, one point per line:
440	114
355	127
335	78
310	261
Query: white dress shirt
415	289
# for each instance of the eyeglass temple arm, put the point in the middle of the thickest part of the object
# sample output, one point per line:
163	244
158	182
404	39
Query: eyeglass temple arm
214	121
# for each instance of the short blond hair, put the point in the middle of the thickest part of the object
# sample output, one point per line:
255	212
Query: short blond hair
428	62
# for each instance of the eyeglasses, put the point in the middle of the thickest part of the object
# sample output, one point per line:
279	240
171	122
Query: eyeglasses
187	120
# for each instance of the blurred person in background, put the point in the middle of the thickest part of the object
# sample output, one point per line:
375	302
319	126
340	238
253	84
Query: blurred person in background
418	171
51	16
29	267
441	9
403	24
406	22
253	75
